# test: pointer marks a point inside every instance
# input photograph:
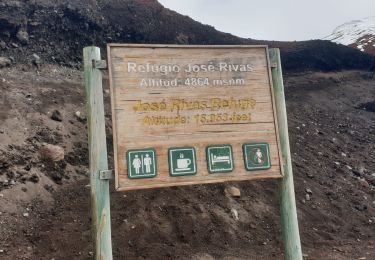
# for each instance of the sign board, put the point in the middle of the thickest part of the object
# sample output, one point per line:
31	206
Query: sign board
187	115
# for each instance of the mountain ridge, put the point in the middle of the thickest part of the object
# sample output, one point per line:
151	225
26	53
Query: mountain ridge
56	31
359	34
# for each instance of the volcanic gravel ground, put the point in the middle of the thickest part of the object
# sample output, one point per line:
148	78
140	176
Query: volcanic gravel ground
45	212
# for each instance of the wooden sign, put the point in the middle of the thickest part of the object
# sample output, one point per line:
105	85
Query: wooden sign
186	115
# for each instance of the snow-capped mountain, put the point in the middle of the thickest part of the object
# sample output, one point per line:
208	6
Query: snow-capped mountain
359	34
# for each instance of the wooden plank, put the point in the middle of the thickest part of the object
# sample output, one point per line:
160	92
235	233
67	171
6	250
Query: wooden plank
146	124
119	51
101	221
124	85
203	176
253	131
289	218
182	46
187	180
216	95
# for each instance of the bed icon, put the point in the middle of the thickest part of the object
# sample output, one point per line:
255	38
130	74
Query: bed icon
219	158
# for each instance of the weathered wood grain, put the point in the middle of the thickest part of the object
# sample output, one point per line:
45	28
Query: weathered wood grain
133	131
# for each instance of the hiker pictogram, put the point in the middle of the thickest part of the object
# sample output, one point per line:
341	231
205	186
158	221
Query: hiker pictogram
256	156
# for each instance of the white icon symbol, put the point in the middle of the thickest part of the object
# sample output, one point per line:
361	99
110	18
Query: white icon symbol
219	159
137	164
183	163
258	156
142	163
147	162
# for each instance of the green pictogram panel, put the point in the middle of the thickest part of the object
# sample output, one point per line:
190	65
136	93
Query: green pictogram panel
182	161
256	156
219	158
141	163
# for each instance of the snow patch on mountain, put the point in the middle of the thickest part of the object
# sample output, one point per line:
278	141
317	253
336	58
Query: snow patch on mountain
358	32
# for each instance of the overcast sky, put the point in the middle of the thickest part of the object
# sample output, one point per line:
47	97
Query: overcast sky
274	19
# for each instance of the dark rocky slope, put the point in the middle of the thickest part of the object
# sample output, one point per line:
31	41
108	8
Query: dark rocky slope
56	31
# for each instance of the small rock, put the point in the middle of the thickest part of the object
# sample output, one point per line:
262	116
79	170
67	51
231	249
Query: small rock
308	197
235	214
356	173
370	179
34	179
343	154
56	115
52	152
26	215
12	182
79	116
23	36
337	163
363	183
308	191
361	170
36	59
48	188
310	175
349	168
14	45
360	207
5	62
2	45
233	191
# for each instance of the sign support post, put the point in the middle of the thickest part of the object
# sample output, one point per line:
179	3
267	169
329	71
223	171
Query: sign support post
101	221
143	167
289	221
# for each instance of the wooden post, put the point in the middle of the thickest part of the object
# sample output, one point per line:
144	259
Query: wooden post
289	221
101	221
